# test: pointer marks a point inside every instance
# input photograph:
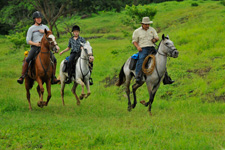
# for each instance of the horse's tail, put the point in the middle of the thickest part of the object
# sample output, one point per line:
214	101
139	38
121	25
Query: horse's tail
121	77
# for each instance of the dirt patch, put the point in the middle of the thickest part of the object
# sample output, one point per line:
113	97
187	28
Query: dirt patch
211	98
93	37
109	81
114	38
202	72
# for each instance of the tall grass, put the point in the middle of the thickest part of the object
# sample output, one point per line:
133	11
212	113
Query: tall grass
188	114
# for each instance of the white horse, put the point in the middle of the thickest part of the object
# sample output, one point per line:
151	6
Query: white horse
166	48
82	74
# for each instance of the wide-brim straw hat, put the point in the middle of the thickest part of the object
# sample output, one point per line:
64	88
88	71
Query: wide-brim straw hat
146	20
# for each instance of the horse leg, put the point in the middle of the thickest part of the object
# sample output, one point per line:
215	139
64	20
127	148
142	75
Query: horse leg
151	99
134	88
62	91
40	102
27	86
88	88
39	91
127	85
48	86
82	85
74	92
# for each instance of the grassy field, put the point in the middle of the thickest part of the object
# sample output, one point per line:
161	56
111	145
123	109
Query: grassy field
189	114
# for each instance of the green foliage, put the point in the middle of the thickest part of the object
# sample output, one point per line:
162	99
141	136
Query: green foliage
136	13
194	4
222	2
18	39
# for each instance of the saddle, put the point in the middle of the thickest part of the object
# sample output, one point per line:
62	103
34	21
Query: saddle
147	60
65	66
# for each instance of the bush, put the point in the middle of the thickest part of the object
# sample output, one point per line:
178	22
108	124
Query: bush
222	2
136	13
18	39
194	4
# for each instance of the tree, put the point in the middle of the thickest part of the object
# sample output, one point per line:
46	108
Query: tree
52	10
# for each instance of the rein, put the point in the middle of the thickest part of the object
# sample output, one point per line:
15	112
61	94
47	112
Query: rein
86	60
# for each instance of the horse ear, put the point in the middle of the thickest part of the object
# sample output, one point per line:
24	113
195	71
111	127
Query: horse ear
88	42
167	36
46	32
163	36
82	43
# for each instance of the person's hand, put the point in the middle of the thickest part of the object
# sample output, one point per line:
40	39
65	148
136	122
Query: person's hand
154	40
41	31
61	53
38	44
139	48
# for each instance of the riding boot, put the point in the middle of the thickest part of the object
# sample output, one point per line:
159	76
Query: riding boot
54	79
68	81
24	70
139	77
167	79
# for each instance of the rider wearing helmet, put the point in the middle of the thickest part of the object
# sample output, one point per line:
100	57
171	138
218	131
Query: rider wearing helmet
34	36
75	46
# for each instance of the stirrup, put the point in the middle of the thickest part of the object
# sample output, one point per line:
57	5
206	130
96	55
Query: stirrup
20	80
91	81
55	82
68	81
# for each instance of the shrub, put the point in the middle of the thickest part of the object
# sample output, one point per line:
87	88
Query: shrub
194	4
222	2
136	13
18	39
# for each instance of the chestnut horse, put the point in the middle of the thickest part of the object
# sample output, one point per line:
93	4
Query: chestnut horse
42	69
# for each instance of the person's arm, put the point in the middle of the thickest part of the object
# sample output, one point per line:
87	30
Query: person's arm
35	44
135	41
29	37
65	50
155	36
137	46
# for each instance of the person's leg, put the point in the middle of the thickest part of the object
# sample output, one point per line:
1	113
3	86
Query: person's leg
141	58
54	79
70	63
26	63
167	79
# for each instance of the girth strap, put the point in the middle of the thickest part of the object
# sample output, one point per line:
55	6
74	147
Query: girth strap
46	70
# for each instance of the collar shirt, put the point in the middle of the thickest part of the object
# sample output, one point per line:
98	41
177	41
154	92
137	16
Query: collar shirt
76	44
143	37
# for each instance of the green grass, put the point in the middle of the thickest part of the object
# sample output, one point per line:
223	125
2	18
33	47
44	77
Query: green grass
189	114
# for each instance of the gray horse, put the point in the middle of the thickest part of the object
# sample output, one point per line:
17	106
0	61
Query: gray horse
82	73
166	48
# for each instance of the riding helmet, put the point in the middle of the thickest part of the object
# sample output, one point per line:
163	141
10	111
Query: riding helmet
76	27
37	14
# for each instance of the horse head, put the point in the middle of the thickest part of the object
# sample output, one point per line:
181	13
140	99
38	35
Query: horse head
50	42
168	47
88	51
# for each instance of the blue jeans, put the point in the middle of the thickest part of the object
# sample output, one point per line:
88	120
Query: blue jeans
144	53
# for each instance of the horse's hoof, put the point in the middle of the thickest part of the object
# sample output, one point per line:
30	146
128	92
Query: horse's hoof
133	106
129	108
40	104
143	102
82	96
78	103
150	114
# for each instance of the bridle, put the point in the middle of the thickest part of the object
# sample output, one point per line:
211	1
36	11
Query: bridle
91	54
173	48
50	42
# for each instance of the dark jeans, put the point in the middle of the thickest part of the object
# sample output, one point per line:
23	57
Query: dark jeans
144	53
73	57
33	51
